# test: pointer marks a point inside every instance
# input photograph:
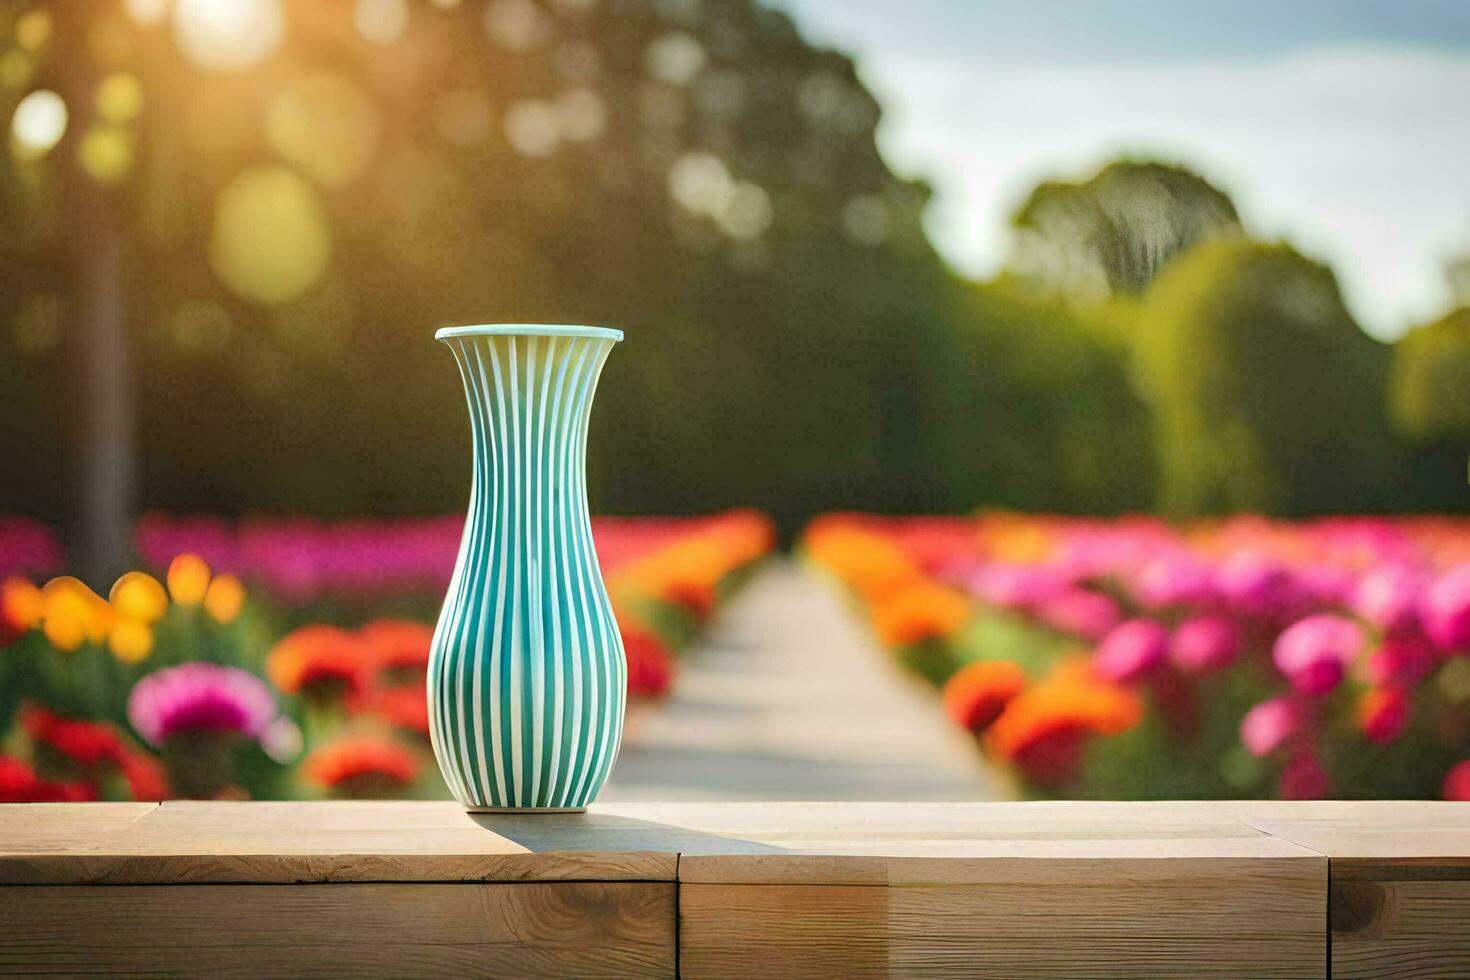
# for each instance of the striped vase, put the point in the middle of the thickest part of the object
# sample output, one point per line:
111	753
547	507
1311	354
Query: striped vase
527	681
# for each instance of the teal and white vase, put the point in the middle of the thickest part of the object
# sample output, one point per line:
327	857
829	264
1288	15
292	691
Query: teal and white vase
527	679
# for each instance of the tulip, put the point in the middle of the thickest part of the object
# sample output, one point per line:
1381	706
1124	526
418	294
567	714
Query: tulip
1131	650
1205	643
1314	652
1445	610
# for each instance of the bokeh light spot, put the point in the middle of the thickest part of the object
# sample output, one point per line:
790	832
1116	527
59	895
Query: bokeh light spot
120	97
227	35
675	57
270	240
748	212
33	30
106	153
516	24
581	115
532	128
38	124
701	183
325	125
146	12
381	21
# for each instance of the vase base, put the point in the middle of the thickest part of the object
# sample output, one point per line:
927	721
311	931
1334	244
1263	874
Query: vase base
525	809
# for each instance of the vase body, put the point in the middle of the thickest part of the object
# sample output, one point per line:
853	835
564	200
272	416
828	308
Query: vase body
527	680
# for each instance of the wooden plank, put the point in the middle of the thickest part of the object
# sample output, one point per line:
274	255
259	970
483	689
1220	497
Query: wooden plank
1150	917
39	828
259	842
1376	839
1400	928
420	930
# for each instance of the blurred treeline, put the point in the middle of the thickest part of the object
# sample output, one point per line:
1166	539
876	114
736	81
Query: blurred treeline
288	232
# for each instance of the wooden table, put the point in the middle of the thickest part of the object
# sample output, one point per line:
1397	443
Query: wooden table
796	889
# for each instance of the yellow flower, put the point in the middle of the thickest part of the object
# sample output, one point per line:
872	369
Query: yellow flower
224	598
188	579
131	640
137	595
72	613
21	607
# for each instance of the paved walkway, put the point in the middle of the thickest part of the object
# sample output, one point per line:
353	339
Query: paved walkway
789	698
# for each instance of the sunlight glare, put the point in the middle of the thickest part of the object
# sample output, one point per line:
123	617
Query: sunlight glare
38	124
226	35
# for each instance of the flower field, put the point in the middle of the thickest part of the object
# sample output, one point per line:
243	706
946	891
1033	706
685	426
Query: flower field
285	659
1133	659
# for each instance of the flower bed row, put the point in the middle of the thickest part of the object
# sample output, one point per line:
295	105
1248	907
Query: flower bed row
1132	659
227	679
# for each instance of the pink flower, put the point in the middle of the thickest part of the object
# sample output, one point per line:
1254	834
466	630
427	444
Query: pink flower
1174	579
1015	585
1303	778
1088	614
1271	724
1401	659
1445	610
1387	597
1205	643
200	697
1131	650
1314	652
1258	585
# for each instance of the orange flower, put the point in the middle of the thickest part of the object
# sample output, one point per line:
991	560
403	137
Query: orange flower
923	611
224	599
188	579
362	767
321	661
138	596
977	693
21	606
398	647
1043	728
865	561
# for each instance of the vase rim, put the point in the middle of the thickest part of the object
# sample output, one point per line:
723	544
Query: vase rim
528	330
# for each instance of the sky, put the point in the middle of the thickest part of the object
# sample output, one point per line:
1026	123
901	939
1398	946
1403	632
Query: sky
1342	126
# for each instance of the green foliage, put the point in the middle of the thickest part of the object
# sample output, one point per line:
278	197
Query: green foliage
1112	234
1429	381
1266	394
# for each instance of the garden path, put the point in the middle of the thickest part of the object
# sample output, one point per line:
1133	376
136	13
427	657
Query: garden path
790	698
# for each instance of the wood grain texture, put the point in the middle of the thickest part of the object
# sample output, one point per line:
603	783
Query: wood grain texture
1376	839
1400	928
190	842
1153	917
397	930
44	828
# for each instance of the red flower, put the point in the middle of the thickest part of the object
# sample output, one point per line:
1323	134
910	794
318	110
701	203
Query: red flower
1383	713
977	693
358	766
650	665
145	776
1457	783
405	706
84	743
18	781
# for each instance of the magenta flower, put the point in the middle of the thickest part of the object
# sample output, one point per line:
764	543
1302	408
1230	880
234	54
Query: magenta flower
1258	585
1075	610
1174	579
200	697
1303	778
1445	610
1014	586
1314	652
1271	724
1387	596
1131	650
1205	643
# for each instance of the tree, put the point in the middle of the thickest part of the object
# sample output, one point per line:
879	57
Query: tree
1113	233
1428	406
302	195
1266	394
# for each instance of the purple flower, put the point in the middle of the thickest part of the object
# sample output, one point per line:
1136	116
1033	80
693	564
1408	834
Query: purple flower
1387	596
1131	650
1271	724
1314	652
1074	610
200	697
1204	643
1445	610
